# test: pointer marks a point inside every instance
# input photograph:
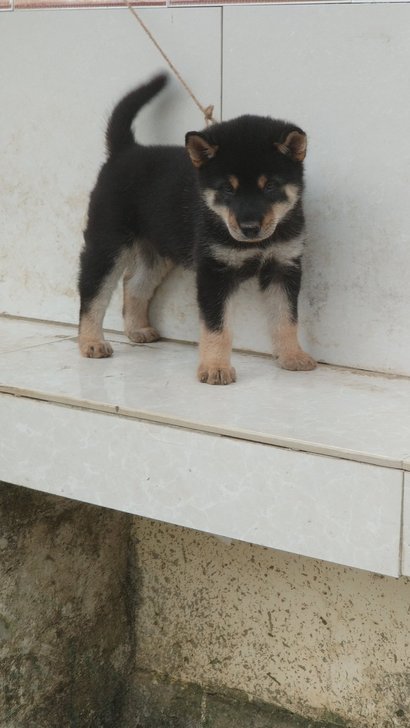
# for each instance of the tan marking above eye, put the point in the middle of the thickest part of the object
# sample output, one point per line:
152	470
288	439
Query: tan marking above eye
233	181
262	181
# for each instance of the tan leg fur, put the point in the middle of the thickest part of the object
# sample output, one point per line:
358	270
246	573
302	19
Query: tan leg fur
140	283
91	336
215	354
290	354
285	333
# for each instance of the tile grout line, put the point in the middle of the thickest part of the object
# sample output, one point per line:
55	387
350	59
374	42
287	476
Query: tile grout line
182	424
28	347
222	64
406	463
36	320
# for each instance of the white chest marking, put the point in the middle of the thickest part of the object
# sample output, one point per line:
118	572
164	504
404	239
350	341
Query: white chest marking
280	252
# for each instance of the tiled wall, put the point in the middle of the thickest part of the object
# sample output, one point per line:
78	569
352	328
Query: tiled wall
340	71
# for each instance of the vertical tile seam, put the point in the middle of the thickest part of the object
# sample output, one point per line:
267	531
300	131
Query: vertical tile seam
401	540
222	61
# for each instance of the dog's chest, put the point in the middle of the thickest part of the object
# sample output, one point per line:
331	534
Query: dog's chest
252	259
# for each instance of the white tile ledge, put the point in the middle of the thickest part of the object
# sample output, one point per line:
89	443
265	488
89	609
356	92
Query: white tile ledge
265	460
337	412
264	438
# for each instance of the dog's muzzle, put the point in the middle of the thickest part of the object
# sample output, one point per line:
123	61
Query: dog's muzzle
250	230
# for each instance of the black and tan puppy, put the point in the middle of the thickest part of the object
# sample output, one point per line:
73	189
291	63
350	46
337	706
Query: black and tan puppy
229	206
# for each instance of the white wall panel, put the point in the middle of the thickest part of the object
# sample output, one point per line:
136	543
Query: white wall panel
60	74
341	72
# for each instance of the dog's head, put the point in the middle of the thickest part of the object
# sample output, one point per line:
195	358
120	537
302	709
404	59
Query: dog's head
250	172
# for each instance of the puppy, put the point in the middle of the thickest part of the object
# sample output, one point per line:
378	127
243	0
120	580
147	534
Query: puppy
229	206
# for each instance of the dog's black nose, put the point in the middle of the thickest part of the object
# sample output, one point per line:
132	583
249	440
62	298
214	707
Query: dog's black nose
250	229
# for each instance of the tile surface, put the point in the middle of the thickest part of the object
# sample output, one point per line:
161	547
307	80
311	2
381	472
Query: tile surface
335	510
332	411
18	334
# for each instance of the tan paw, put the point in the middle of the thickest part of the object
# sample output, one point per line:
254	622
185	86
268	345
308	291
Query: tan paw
298	361
95	349
143	336
216	375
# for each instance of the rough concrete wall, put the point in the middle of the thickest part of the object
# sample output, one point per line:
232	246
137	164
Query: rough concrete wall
65	612
159	702
323	641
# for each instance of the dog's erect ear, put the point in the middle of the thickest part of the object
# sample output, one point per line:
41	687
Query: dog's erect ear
199	149
294	146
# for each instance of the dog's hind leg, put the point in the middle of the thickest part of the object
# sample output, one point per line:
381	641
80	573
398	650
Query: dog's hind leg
141	279
99	276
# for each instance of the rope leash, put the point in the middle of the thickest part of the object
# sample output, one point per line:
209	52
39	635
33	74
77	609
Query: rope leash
206	110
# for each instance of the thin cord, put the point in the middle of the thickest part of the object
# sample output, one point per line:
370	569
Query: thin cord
206	110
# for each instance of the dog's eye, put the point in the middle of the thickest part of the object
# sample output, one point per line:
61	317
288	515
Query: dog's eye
273	185
227	189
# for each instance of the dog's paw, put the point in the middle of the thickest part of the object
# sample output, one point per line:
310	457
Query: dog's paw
298	361
143	336
216	375
95	349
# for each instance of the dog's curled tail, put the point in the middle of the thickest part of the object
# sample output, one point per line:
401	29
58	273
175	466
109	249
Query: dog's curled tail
119	134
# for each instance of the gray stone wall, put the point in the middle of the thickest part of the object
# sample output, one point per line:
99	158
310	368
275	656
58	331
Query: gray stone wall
73	609
66	612
113	621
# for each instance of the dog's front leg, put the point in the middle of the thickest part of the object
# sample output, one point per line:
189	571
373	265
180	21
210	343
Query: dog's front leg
215	356
280	285
214	288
